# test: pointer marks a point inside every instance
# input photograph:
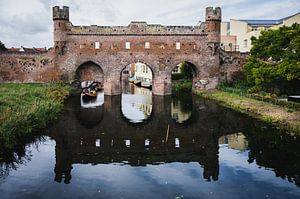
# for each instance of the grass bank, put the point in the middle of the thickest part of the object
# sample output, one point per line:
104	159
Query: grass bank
28	107
283	117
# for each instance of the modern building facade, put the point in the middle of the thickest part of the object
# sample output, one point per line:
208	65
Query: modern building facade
236	34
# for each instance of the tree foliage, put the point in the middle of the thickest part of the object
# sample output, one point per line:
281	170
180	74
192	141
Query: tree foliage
2	47
186	70
274	64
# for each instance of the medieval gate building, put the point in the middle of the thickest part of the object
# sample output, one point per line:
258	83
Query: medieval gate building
102	53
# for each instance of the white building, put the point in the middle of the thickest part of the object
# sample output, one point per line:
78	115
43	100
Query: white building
142	72
236	34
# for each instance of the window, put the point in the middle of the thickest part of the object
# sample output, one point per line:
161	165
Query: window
177	143
147	45
245	43
147	142
98	142
177	45
97	45
127	143
127	45
176	69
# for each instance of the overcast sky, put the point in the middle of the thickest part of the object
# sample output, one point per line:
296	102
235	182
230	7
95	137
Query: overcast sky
29	22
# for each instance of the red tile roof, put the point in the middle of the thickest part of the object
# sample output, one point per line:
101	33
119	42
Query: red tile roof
29	50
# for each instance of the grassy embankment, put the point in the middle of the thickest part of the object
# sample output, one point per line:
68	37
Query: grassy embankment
286	115
26	108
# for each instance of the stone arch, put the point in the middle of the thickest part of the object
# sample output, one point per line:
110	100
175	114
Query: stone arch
195	70
131	61
89	71
194	67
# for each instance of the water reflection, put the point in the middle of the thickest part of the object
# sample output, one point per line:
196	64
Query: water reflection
181	107
136	103
92	103
97	149
236	141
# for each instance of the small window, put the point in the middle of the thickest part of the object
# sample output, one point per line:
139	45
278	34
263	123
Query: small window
97	45
127	45
245	43
177	45
98	142
127	143
147	142
177	143
147	45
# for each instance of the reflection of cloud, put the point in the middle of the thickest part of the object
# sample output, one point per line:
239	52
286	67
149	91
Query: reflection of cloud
235	160
136	108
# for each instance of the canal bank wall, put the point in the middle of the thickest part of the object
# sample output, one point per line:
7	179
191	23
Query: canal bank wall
279	116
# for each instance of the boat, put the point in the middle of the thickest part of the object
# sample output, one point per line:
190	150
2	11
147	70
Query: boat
137	82
295	98
131	79
146	84
90	92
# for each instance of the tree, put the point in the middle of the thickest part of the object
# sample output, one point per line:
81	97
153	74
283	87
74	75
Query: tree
2	47
274	63
186	70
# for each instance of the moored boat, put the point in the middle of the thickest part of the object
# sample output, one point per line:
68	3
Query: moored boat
88	94
146	84
137	82
131	79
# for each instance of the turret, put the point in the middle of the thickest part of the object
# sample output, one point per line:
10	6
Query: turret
61	21
60	14
213	20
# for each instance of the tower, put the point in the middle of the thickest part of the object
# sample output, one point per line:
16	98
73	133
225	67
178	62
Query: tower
213	20
61	22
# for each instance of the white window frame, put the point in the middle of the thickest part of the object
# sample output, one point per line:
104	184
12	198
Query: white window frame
97	45
178	45
127	45
147	45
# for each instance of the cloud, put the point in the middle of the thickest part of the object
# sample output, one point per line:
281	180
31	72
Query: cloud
29	23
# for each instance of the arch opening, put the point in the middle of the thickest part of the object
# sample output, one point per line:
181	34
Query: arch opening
89	71
90	75
136	100
183	75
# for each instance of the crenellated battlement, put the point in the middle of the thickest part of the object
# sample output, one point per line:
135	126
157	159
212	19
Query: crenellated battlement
213	14
60	13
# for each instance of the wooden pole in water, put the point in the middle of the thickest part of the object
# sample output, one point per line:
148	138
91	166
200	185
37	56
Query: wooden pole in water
167	135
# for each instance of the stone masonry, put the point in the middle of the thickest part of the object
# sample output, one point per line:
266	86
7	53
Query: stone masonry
102	52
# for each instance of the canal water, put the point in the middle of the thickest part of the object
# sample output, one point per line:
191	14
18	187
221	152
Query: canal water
141	146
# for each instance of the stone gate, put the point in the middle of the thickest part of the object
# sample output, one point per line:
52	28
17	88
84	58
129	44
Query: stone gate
161	48
102	53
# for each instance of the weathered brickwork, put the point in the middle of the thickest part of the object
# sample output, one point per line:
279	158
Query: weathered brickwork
106	47
27	67
102	52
